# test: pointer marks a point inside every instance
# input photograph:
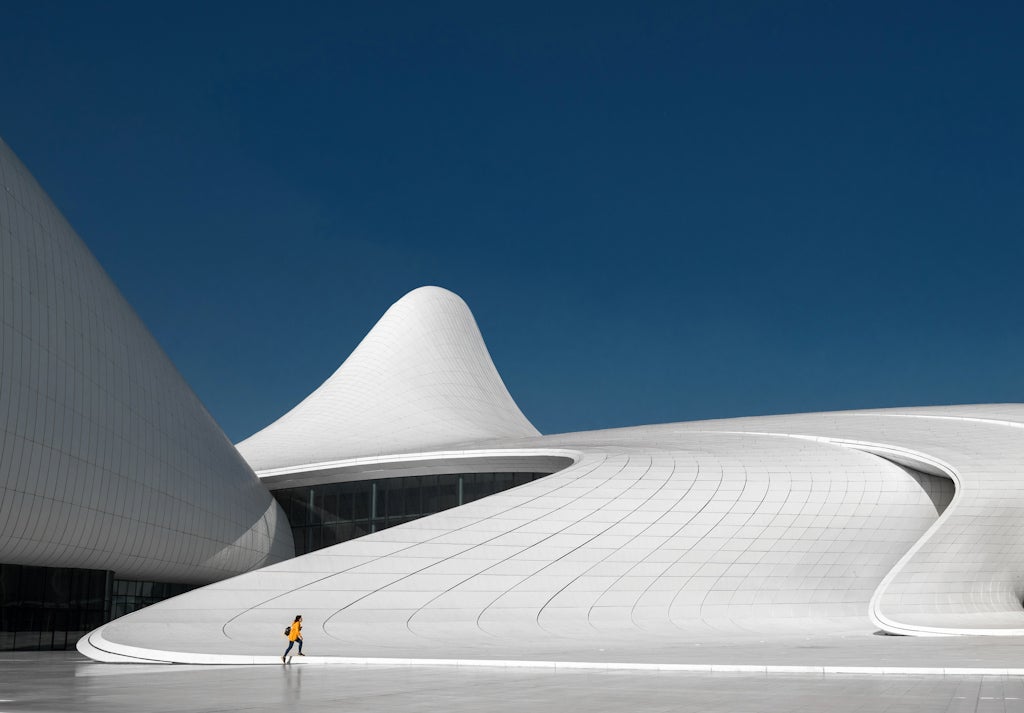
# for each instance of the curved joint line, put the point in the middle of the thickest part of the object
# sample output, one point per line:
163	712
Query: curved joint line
926	464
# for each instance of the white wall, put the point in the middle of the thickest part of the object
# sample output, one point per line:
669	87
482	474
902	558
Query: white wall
108	460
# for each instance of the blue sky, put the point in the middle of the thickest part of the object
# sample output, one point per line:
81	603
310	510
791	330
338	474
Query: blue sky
656	211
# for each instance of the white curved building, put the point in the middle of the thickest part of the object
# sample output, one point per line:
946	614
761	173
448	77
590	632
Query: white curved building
500	543
108	460
753	529
421	379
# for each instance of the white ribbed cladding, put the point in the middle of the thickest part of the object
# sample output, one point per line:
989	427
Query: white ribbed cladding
966	575
420	380
911	520
647	540
107	458
710	531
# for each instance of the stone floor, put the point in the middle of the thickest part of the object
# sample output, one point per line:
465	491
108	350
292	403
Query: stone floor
831	652
67	682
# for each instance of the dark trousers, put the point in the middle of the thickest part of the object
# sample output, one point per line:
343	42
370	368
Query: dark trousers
291	644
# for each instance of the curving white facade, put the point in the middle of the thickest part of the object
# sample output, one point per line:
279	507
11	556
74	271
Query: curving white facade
108	460
421	379
905	520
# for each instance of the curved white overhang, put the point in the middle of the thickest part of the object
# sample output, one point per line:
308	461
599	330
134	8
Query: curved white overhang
484	460
964	576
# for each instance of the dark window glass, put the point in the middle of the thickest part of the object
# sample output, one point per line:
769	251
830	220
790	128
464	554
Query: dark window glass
51	608
413	493
330	513
477	486
347	531
395	502
447	492
295	509
331	535
361	504
503	481
428	494
33	582
344	511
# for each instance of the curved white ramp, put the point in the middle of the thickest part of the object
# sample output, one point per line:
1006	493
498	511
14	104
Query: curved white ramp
742	529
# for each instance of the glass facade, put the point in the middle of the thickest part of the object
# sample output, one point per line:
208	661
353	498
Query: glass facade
130	595
324	515
47	608
51	608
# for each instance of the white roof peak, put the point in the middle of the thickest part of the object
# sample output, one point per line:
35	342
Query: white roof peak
422	378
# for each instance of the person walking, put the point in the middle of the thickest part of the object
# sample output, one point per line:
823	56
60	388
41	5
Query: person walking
294	634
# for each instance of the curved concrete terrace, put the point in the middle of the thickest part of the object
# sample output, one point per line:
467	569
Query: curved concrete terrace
764	542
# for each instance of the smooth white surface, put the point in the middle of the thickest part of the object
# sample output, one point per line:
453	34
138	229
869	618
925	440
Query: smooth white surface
541	460
107	458
730	530
421	379
746	530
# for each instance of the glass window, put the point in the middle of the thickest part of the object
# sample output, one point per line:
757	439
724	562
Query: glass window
298	536
478	485
295	508
395	500
447	492
503	481
33	586
361	504
345	504
413	495
428	494
48	607
330	513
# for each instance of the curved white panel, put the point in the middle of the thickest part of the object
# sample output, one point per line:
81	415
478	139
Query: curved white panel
966	574
420	380
107	458
649	538
911	520
760	527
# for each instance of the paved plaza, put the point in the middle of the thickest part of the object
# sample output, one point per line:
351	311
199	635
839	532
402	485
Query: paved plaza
69	682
